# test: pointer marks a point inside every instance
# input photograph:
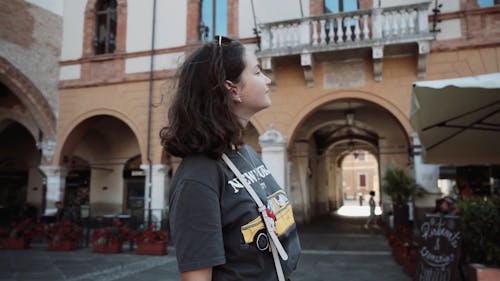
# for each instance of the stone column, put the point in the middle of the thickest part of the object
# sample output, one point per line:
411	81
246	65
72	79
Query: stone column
158	192
302	172
55	184
47	146
274	155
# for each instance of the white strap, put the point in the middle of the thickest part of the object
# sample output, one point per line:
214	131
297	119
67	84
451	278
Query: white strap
238	174
277	264
262	209
276	247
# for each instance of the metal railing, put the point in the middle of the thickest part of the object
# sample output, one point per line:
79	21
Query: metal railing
133	219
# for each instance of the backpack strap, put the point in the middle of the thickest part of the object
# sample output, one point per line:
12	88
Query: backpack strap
276	247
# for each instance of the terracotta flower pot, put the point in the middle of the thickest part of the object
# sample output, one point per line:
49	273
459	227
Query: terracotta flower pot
109	248
14	243
152	248
409	267
65	245
479	272
400	253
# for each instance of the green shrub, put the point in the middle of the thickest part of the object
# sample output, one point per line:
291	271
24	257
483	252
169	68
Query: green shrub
480	225
399	186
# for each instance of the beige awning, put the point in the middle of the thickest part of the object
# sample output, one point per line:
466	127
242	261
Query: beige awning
458	120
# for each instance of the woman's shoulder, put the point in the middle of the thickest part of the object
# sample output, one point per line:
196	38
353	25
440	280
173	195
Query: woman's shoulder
199	157
199	171
250	150
200	168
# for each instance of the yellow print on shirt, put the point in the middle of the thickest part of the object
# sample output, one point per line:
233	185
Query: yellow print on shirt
280	205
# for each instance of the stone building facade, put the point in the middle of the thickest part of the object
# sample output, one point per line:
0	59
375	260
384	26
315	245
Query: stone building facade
30	46
336	91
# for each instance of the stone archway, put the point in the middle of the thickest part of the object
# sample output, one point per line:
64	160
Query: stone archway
20	181
107	140
396	112
334	126
30	96
63	135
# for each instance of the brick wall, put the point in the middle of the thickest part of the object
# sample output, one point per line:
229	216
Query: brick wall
366	4
103	67
17	32
316	7
232	18
30	40
193	21
480	27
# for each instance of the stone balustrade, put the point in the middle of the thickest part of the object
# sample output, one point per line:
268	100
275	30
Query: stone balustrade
374	29
346	30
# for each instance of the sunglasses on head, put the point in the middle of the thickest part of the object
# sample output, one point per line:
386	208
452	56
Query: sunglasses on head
221	40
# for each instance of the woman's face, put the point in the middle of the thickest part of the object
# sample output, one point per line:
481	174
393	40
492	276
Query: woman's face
252	90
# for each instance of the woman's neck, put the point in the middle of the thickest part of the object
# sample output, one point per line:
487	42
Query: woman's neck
243	121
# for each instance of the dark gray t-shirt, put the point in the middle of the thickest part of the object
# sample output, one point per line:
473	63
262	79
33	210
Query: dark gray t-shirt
215	223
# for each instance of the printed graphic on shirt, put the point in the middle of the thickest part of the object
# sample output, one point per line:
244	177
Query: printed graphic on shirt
251	177
255	232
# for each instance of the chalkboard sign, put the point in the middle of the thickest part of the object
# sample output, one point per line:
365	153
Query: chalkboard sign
440	240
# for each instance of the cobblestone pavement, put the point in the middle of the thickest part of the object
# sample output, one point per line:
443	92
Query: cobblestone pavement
334	248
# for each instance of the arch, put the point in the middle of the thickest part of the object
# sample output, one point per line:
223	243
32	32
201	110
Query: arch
132	161
30	96
351	169
403	121
8	116
93	113
370	148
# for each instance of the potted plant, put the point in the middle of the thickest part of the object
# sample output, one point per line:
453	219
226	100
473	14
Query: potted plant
151	241
110	239
18	235
63	236
404	248
479	218
400	188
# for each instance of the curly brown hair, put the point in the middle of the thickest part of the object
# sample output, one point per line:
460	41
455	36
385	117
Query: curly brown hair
200	117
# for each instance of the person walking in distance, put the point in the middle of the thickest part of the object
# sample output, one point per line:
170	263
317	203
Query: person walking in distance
60	214
371	219
219	229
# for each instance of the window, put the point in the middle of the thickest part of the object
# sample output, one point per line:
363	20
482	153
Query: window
361	156
336	6
487	3
105	34
362	180
213	15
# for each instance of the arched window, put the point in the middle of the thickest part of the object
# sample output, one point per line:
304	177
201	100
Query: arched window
336	6
105	34
213	15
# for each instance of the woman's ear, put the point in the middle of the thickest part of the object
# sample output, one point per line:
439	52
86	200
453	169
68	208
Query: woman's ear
233	91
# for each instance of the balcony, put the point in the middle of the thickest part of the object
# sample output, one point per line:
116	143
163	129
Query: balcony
397	30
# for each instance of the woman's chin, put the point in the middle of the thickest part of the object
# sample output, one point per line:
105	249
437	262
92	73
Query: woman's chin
267	105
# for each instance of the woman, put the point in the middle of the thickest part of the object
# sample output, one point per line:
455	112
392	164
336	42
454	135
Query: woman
216	228
371	219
